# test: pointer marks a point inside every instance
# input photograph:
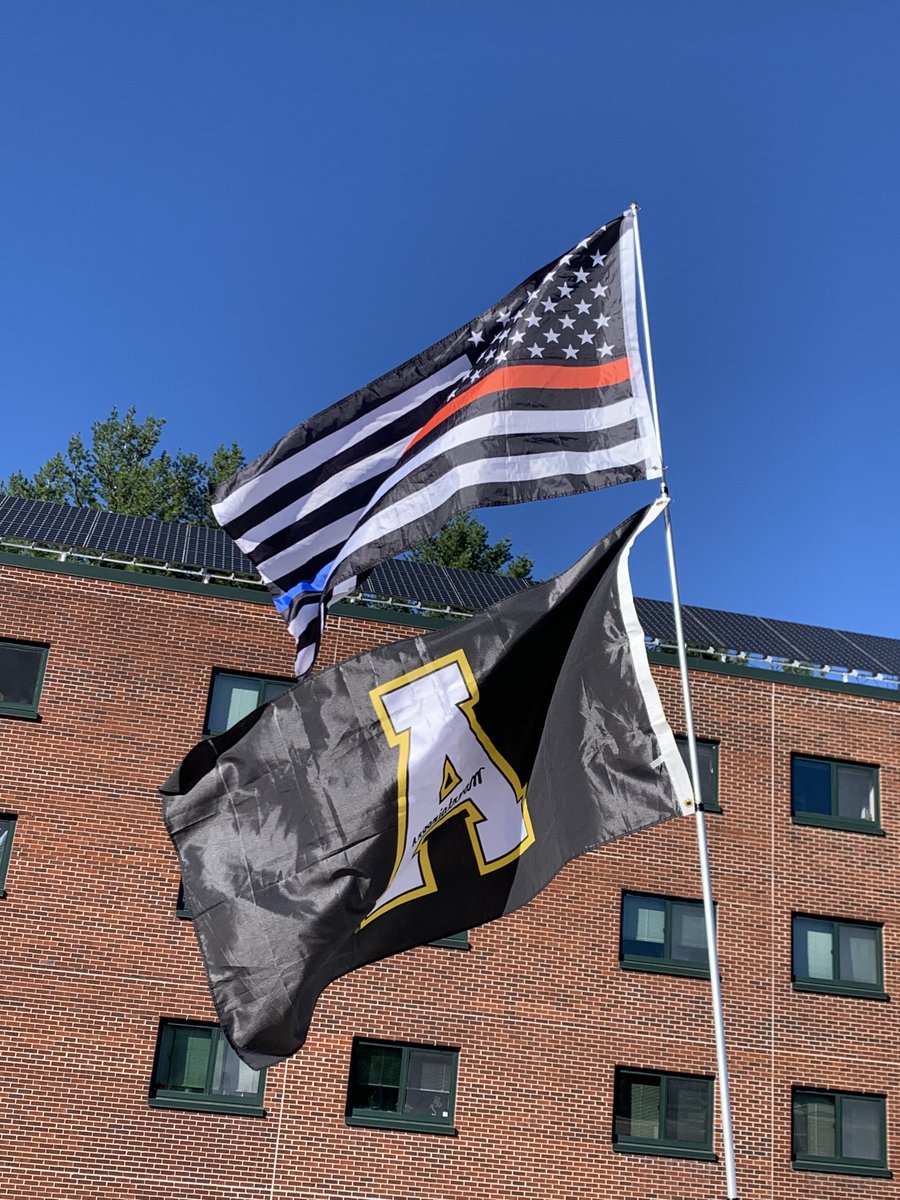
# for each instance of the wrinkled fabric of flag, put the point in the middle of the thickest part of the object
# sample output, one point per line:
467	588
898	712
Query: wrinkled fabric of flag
417	790
542	395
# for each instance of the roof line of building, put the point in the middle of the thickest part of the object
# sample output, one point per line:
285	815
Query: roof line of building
399	609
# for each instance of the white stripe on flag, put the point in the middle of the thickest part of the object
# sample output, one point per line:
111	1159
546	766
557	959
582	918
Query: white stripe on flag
499	423
310	611
533	469
325	448
326	491
627	258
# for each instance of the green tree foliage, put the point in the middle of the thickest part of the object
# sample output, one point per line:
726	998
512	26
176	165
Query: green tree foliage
121	471
463	542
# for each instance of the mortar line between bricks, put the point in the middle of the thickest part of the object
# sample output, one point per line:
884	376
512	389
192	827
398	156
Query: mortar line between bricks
110	1174
56	972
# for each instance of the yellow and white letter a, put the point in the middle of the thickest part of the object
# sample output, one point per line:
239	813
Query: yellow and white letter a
447	765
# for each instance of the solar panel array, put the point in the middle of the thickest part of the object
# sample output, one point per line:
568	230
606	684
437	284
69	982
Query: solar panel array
112	533
68	528
445	586
710	627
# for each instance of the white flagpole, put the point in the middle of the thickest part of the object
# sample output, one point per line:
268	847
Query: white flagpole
702	844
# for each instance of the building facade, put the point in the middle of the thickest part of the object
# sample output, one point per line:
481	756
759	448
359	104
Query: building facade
563	1052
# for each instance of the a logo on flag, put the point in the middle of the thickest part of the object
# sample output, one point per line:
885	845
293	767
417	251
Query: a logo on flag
447	766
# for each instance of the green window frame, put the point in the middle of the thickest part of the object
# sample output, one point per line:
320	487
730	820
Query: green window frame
842	1133
835	793
841	957
663	934
22	667
182	911
7	830
454	941
197	1069
665	1113
708	762
400	1085
233	695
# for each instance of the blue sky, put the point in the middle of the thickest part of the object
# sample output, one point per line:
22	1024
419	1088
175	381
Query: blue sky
232	214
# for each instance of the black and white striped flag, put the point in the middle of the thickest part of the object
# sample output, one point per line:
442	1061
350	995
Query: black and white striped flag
542	395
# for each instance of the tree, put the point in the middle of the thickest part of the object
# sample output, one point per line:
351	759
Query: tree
463	542
120	471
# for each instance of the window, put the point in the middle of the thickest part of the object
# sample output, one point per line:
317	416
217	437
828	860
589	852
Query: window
233	696
708	762
837	956
196	1068
402	1087
454	941
21	675
842	795
663	1114
662	934
839	1132
7	829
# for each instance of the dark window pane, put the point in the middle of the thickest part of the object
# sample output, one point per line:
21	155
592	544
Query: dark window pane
429	1082
20	669
707	761
687	1110
813	949
861	1128
230	1076
273	688
855	793
814	1125
811	786
189	1063
644	926
379	1064
376	1083
637	1106
858	953
7	827
688	933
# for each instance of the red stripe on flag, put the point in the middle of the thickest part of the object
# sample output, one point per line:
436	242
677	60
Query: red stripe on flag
533	376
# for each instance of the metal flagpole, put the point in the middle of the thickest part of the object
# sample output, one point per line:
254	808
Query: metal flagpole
702	844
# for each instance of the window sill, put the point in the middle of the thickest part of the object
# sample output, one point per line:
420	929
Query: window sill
20	714
659	967
660	1149
824	989
399	1123
848	826
237	1110
843	1169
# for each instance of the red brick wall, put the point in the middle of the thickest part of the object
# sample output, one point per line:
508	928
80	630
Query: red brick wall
93	955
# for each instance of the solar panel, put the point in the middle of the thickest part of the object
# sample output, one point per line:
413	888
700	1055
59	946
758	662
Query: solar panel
114	533
444	586
201	546
881	650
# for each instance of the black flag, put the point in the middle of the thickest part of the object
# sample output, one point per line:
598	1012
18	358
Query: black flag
422	788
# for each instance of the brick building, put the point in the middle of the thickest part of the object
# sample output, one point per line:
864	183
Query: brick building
564	1052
